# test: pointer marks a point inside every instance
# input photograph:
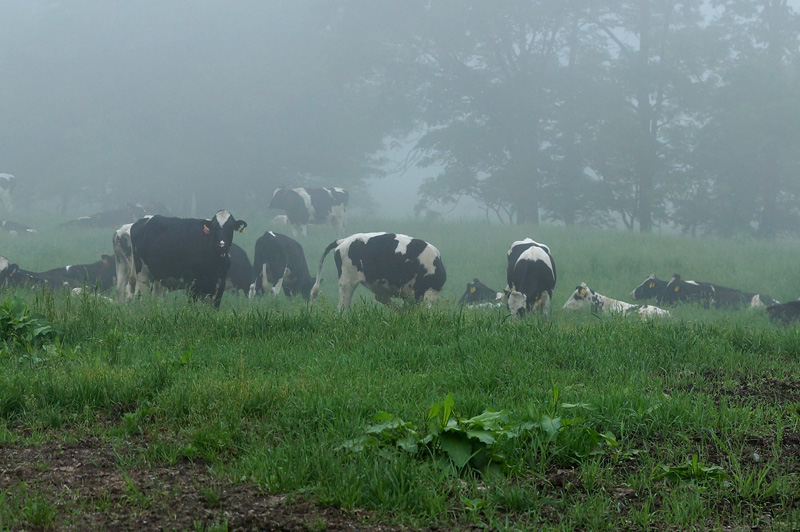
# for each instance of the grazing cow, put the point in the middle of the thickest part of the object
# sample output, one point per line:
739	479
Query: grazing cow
678	291
478	294
784	312
279	261
194	250
531	276
305	206
388	264
585	297
7	184
14	228
650	288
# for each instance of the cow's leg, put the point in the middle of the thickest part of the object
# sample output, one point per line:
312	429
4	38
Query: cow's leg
142	280
304	230
277	288
346	290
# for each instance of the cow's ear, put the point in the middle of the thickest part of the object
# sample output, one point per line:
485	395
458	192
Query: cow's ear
240	225
206	230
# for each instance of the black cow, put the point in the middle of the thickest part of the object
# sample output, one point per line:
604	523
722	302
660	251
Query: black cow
240	274
279	261
531	277
7	184
14	228
650	288
194	250
678	291
784	312
305	206
388	264
100	273
478	293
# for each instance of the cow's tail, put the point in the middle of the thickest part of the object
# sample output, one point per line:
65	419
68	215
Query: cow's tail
315	288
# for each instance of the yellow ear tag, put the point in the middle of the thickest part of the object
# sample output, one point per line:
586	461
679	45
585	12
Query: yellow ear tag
582	293
241	230
651	285
206	230
677	288
105	262
472	289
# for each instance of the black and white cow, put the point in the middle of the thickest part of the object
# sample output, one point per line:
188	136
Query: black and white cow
304	206
388	264
7	184
478	293
680	291
650	288
784	312
14	228
584	297
279	261
531	276
194	250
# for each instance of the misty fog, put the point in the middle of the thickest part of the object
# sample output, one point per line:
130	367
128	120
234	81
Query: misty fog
681	114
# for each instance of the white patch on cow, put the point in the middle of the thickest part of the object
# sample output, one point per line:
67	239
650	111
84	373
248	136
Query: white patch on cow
281	219
3	264
527	241
426	258
125	269
695	283
307	201
534	253
756	302
222	217
402	244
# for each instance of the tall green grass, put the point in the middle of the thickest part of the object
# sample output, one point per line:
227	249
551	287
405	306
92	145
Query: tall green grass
268	391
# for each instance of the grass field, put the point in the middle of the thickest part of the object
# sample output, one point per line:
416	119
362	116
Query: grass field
273	415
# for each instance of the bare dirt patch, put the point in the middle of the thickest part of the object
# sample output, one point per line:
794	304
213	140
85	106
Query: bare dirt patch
85	489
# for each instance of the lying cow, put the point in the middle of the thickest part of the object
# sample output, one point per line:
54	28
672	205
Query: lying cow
650	288
112	218
194	250
584	297
14	228
531	276
279	261
478	294
388	264
784	312
679	291
100	273
304	206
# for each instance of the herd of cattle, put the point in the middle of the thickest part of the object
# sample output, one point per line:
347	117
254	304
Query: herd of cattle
158	252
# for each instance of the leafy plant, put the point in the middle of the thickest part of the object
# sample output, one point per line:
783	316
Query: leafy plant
693	469
467	443
18	325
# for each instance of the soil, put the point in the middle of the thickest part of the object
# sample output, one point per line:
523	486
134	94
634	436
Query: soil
89	492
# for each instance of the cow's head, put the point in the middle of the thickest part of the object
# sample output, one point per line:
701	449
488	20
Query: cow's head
582	297
220	230
649	289
517	303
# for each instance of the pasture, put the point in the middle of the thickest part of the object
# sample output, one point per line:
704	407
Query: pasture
273	415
